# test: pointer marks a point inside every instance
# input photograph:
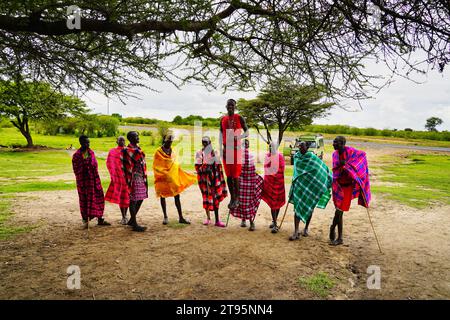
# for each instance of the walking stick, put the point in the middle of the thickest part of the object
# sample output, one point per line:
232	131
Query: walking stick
285	210
370	220
88	228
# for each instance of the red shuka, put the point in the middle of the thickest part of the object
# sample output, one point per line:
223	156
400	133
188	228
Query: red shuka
232	154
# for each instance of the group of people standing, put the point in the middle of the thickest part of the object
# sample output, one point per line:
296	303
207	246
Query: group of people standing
312	182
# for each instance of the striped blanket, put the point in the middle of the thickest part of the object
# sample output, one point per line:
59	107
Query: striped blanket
273	189
311	185
358	169
250	189
210	178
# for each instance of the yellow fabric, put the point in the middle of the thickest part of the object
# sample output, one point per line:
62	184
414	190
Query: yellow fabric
170	179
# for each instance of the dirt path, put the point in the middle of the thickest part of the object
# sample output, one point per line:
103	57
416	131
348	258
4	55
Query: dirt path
198	262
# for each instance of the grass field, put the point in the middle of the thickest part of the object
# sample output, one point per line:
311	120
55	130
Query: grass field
418	179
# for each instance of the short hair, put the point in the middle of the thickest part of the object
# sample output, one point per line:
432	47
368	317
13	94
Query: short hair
341	138
307	144
231	100
82	138
129	134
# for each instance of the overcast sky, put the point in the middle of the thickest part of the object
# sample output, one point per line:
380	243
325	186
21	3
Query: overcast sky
404	104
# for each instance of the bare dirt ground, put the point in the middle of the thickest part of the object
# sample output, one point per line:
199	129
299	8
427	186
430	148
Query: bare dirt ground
198	262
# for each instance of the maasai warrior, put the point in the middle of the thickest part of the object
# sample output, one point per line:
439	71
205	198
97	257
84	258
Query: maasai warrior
170	179
311	187
118	189
231	127
210	180
250	185
273	188
135	171
350	180
89	186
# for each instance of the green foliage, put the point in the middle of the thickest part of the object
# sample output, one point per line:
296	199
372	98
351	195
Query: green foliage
320	284
190	121
406	134
24	101
140	120
432	123
89	124
284	104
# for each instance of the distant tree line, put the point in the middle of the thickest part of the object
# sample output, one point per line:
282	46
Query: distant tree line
407	133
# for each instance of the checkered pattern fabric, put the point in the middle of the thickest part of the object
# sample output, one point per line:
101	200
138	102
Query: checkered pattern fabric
311	185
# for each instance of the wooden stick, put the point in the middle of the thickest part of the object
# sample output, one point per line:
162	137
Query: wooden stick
88	228
285	210
370	220
228	218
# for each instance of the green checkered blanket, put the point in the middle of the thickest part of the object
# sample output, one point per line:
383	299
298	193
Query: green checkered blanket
311	185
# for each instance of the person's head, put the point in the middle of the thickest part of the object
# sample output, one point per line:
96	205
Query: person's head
167	140
231	106
303	146
133	137
339	143
206	141
84	142
246	143
121	141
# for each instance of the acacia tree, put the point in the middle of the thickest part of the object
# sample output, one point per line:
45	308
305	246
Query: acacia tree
432	123
283	104
226	43
24	101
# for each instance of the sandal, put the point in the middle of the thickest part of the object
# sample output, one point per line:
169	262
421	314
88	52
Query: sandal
139	228
252	226
165	221
184	221
207	222
305	233
336	242
103	222
220	224
243	224
295	236
275	229
272	225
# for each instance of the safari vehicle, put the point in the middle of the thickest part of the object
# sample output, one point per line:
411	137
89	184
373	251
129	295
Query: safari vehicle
315	141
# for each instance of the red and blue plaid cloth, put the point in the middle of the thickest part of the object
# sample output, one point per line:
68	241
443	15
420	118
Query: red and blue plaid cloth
357	168
211	180
250	189
89	186
131	156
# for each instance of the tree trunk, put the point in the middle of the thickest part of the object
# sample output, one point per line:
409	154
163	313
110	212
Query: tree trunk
27	135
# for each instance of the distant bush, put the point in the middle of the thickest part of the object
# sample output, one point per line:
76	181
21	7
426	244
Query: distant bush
90	124
140	120
190	121
5	123
408	133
